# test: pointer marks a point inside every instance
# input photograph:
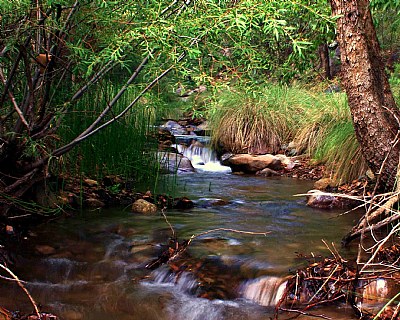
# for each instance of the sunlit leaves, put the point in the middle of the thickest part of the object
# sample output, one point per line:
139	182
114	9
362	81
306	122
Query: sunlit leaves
248	35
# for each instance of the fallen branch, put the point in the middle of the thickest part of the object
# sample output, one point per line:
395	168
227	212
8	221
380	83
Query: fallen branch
305	313
19	282
355	234
175	249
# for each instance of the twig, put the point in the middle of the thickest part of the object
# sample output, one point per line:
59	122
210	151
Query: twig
382	243
323	285
306	313
19	282
14	102
326	245
229	230
169	224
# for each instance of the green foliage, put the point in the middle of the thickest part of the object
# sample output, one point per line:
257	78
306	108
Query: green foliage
386	14
268	118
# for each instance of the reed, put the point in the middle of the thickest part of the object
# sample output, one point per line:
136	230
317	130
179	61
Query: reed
125	148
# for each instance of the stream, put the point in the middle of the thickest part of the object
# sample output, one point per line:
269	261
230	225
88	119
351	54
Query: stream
95	265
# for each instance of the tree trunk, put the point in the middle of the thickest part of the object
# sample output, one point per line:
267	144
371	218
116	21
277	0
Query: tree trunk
373	109
323	53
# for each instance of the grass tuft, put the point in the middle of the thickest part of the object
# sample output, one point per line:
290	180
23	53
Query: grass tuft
268	119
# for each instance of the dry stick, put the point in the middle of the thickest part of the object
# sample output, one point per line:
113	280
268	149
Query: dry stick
169	224
326	245
13	72
229	230
20	181
392	145
324	301
104	70
378	225
325	282
383	241
14	102
385	207
305	313
396	312
10	279
23	288
337	252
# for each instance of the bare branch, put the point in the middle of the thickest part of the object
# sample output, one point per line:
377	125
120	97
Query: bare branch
23	288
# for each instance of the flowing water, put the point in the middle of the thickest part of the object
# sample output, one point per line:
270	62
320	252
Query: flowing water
95	265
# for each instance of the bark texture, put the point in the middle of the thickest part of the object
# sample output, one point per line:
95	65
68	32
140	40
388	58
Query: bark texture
374	111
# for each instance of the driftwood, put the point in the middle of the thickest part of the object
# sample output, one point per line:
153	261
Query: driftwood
374	220
332	280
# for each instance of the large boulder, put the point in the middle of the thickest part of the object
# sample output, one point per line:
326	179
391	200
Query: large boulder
252	163
175	162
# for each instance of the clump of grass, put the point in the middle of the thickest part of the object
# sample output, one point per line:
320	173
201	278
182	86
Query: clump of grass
340	151
253	122
324	112
266	120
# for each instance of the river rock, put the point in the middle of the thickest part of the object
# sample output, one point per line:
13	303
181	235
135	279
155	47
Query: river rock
202	128
324	183
45	249
143	206
267	172
320	200
90	183
266	291
211	202
372	295
285	161
252	163
174	127
112	180
94	203
175	162
183	203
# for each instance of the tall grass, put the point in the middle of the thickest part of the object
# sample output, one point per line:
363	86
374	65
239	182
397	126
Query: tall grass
268	119
253	122
125	148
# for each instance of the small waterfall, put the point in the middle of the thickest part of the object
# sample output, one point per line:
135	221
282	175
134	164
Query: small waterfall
266	291
202	157
183	282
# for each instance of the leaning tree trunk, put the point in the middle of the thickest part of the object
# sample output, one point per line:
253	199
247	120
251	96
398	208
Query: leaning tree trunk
373	109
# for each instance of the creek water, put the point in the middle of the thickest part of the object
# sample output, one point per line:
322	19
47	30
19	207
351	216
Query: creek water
95	269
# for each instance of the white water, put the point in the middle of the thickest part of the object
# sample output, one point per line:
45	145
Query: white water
202	158
266	291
